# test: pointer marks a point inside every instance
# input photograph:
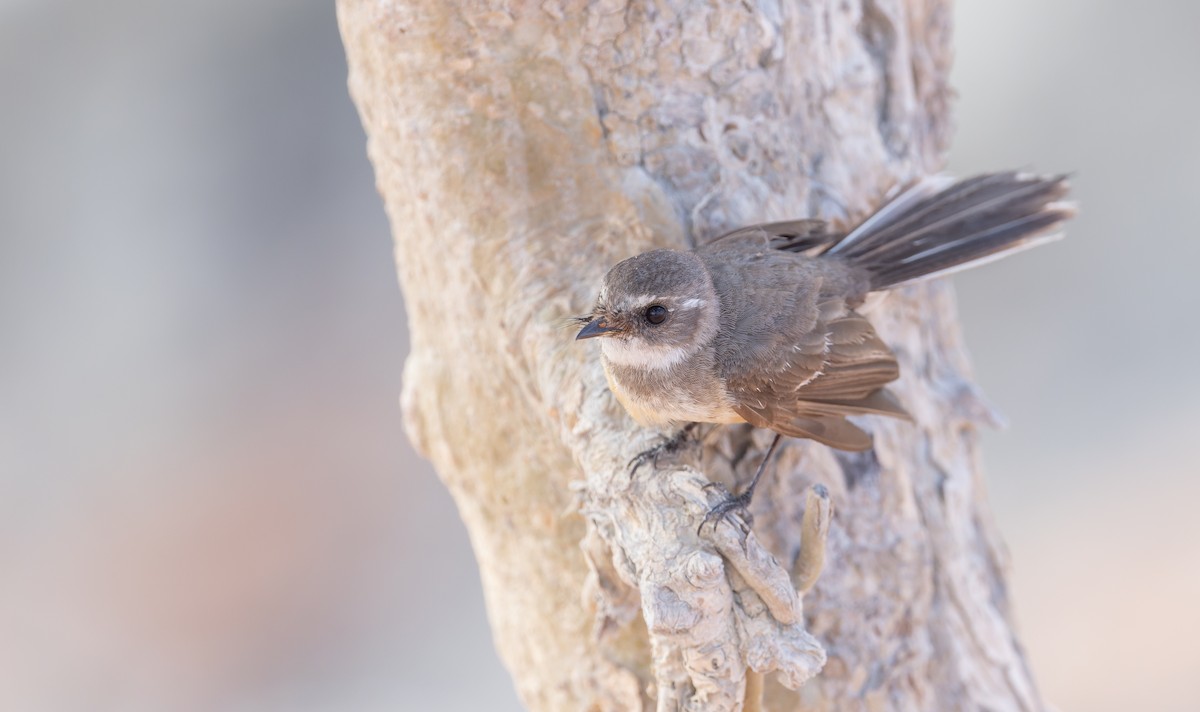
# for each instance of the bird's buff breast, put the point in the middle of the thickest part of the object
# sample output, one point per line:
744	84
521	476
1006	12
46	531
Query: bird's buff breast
667	398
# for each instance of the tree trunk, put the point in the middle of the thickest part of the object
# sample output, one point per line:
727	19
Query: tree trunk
522	148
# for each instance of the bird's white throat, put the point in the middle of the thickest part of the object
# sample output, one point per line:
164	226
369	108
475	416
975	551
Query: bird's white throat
639	354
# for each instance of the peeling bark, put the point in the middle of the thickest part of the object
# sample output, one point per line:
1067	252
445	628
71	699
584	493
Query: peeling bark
521	149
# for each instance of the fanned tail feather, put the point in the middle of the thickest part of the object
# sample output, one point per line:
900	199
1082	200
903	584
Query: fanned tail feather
939	226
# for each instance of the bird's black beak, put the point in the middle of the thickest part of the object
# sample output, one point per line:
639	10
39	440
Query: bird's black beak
595	327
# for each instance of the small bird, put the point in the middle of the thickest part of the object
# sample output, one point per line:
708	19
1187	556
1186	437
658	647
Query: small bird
759	325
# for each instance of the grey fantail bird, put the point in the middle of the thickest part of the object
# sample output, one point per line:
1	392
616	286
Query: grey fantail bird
759	326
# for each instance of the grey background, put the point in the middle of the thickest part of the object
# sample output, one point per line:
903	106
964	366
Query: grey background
206	498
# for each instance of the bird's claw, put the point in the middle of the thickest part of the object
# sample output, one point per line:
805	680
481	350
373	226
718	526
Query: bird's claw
642	457
732	503
668	446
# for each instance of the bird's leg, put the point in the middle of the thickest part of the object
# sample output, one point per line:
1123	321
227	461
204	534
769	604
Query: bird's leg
736	503
668	446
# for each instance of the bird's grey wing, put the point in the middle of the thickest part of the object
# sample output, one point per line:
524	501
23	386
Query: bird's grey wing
789	235
795	358
856	361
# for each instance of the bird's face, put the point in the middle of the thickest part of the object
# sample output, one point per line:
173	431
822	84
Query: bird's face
654	310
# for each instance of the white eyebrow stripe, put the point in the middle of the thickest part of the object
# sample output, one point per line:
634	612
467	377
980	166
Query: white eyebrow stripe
691	303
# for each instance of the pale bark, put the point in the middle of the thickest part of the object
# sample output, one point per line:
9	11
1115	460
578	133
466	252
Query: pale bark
523	148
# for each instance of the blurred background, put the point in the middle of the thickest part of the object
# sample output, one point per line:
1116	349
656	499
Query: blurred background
206	498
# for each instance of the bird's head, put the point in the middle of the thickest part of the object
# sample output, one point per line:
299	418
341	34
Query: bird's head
654	310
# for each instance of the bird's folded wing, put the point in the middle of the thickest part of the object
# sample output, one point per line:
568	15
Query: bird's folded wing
837	368
856	362
834	431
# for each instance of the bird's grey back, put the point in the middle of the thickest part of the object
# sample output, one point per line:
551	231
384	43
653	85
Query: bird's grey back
770	299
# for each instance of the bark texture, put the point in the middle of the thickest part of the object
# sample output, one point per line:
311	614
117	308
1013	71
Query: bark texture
521	149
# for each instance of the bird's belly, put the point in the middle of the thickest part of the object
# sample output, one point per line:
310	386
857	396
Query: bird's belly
667	405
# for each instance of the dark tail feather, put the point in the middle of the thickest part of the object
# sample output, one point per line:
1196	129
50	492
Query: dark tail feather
939	226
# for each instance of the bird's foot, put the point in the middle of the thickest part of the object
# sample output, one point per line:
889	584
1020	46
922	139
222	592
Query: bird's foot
730	504
669	446
741	502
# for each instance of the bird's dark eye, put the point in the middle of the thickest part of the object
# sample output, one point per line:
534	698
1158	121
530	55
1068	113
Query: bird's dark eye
656	314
